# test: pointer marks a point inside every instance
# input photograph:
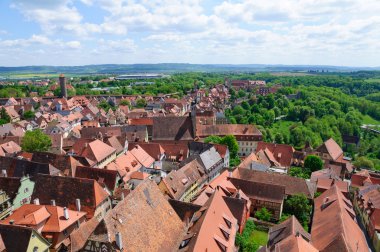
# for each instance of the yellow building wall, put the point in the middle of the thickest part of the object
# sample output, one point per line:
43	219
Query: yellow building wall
37	241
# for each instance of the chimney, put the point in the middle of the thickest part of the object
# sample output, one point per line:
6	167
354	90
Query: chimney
119	240
77	203
66	213
36	201
52	202
122	196
297	234
4	173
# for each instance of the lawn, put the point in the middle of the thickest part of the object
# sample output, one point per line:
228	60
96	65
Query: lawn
369	120
259	237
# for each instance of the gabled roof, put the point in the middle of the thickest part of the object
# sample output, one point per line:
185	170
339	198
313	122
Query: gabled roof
280	232
178	181
332	148
20	167
142	156
155	150
292	185
145	220
125	164
184	210
215	223
94	150
282	153
80	236
260	191
65	191
23	234
66	164
35	215
227	129
173	128
334	226
114	142
10	186
103	176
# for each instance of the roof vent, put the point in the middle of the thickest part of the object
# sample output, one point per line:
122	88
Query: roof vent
36	201
52	202
66	213
119	241
11	222
77	203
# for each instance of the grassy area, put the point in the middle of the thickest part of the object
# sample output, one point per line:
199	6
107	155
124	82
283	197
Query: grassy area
369	120
259	237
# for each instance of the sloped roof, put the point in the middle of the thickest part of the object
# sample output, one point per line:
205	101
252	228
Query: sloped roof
260	191
227	129
10	186
185	210
173	128
282	153
33	215
23	234
178	181
209	229
294	244
20	167
79	237
334	227
103	176
125	164
145	220
66	164
290	227
292	185
332	148
155	150
94	150
65	190
142	156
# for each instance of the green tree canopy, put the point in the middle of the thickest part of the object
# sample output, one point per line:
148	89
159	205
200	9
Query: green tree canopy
4	117
299	206
35	140
28	114
141	103
244	240
363	162
313	163
263	214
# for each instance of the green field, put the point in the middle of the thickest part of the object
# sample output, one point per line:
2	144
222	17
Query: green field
259	237
369	120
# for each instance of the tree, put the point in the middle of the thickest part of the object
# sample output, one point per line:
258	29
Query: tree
263	214
140	103
314	163
299	206
35	140
299	172
28	114
363	162
4	117
232	144
244	241
124	103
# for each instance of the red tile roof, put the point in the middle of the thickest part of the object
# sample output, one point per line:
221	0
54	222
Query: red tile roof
282	153
334	227
332	148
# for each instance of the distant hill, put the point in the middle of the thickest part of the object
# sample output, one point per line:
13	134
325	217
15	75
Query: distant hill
173	68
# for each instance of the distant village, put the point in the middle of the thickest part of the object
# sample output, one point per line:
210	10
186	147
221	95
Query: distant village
144	179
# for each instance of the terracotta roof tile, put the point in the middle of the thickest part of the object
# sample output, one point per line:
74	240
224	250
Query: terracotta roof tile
334	227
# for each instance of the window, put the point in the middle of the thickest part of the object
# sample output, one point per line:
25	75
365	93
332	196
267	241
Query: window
229	224
184	243
225	234
221	246
65	232
35	249
26	190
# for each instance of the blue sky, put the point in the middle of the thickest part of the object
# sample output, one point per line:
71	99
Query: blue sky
78	32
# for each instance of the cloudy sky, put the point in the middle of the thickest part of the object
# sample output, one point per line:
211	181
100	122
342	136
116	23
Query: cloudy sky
77	32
